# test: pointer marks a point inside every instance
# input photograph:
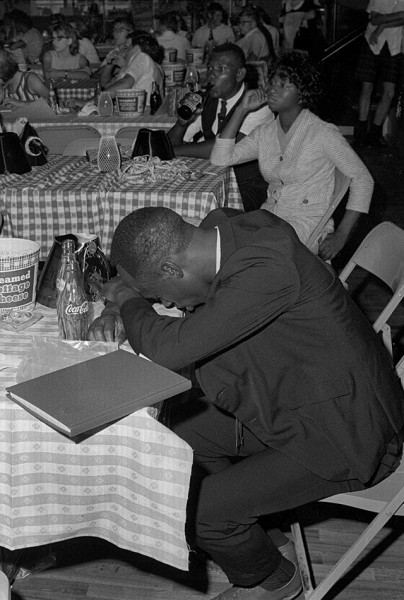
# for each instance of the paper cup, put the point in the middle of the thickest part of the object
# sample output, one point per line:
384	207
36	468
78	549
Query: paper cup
18	274
130	103
174	73
194	56
170	55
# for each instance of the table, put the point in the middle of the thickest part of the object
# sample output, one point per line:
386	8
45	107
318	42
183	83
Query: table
69	195
105	125
84	89
127	484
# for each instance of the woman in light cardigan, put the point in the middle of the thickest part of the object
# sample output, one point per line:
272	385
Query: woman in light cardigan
298	153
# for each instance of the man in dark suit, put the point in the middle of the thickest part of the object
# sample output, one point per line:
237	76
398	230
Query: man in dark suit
303	402
227	75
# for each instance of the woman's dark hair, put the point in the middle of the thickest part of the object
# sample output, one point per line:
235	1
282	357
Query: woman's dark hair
302	72
169	20
148	44
19	17
255	16
69	31
8	66
215	6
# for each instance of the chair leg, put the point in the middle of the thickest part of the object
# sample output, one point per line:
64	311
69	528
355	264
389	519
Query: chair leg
357	548
301	552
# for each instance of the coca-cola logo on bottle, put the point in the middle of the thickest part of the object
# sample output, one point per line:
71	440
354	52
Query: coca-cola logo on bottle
71	309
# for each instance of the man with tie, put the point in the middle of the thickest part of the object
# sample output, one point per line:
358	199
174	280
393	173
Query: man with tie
195	137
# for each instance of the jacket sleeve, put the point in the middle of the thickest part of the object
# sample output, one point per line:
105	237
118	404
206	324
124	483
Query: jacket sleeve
249	297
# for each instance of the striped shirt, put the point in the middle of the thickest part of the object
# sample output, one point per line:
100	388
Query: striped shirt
299	168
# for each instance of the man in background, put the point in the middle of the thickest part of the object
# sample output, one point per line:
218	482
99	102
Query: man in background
195	137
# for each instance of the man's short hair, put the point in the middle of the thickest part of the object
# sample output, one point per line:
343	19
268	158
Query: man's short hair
233	49
147	237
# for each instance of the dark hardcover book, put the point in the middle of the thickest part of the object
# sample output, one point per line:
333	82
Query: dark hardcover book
96	392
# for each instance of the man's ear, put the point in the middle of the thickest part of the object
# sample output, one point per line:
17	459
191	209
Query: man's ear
241	73
172	269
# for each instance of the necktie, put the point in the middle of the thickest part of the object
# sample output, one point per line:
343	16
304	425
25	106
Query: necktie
221	117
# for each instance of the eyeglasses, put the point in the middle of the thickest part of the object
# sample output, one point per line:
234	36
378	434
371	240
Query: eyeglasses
218	69
120	30
244	22
57	38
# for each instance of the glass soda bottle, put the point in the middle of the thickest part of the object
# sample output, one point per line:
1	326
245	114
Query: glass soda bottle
155	98
72	304
67	256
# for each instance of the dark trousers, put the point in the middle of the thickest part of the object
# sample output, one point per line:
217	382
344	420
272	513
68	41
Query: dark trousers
230	491
253	187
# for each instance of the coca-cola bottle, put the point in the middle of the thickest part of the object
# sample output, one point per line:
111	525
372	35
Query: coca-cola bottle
155	98
72	303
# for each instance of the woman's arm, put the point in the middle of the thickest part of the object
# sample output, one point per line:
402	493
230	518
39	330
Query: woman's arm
37	86
360	191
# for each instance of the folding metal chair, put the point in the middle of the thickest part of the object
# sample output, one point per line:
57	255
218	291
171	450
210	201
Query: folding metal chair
341	186
58	138
79	147
386	499
382	254
126	136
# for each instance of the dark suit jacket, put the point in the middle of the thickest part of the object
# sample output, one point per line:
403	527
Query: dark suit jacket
280	344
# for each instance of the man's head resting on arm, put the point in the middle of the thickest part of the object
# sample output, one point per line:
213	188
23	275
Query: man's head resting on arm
163	257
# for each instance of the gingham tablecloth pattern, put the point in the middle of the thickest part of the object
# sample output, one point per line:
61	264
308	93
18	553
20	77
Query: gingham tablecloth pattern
69	195
127	484
82	90
64	196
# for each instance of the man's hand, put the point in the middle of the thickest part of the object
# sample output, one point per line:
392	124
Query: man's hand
108	327
374	36
331	245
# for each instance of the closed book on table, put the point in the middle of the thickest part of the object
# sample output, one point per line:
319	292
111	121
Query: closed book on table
96	392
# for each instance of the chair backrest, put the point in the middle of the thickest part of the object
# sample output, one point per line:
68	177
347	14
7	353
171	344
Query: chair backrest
126	136
80	146
58	138
386	499
341	185
382	254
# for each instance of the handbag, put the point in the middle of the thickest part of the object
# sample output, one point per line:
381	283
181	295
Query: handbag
35	150
153	142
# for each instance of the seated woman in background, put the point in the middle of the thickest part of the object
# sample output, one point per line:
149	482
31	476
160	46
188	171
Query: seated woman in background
297	154
86	46
256	41
142	66
64	61
19	86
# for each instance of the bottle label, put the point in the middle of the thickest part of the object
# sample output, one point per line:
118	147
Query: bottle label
192	101
82	309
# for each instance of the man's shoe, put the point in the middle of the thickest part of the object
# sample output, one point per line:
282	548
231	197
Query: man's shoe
287	592
288	551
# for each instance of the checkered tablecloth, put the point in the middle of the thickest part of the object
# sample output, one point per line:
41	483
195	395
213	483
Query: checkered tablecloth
127	484
81	90
64	196
193	200
70	195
